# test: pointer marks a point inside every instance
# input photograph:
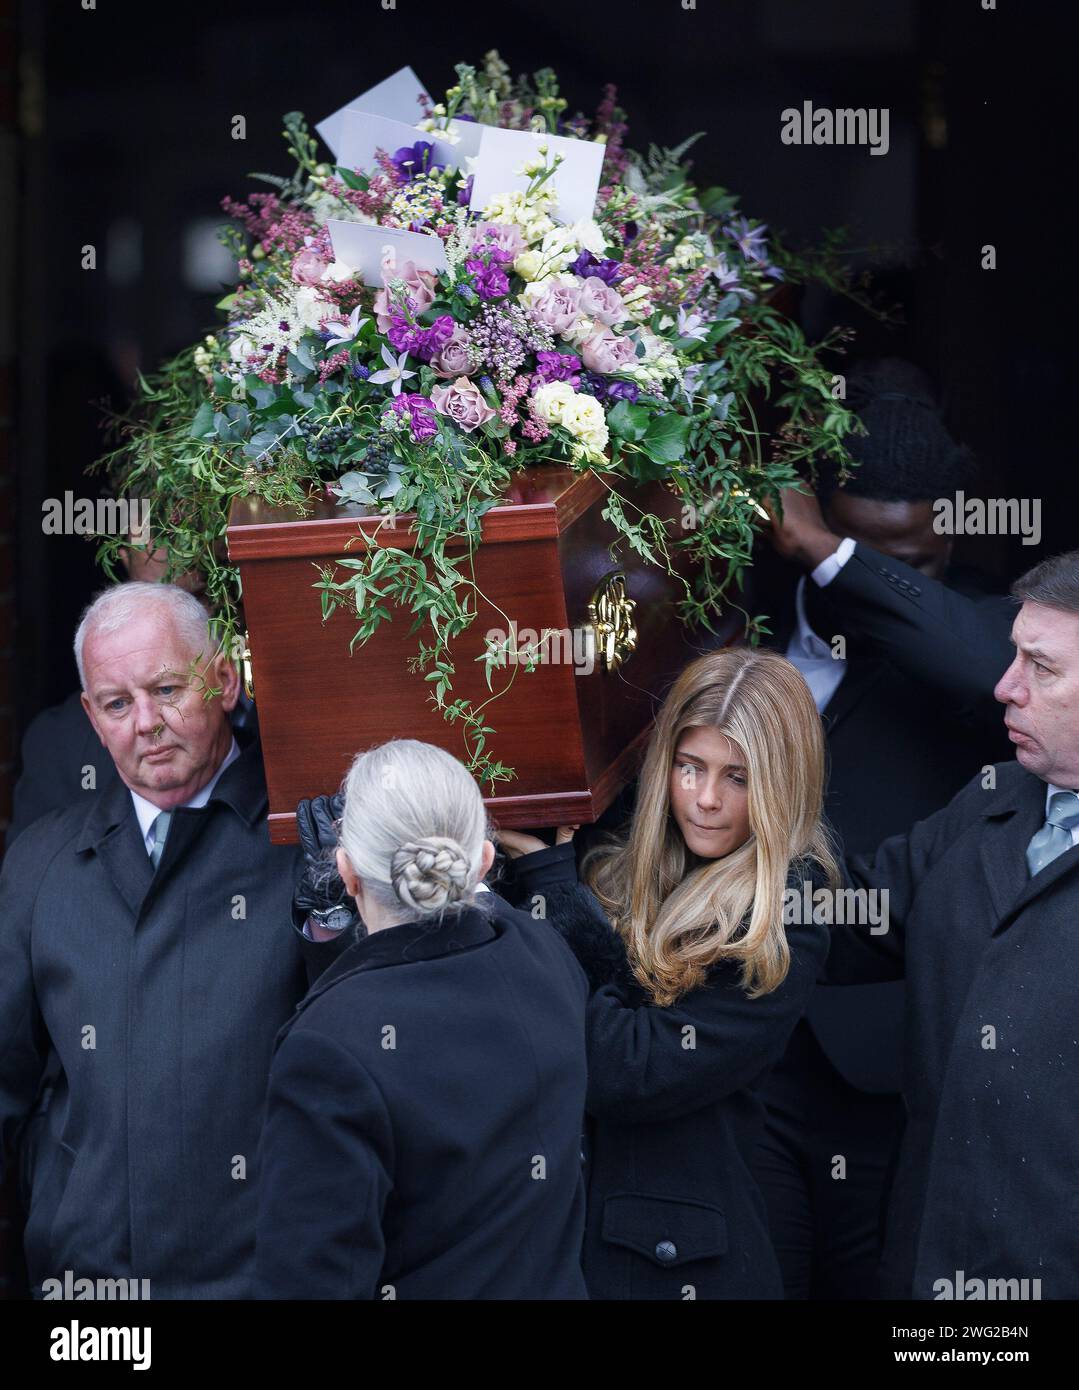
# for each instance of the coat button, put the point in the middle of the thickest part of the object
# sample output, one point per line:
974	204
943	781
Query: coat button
666	1251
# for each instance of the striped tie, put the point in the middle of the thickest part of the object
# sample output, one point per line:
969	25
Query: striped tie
1055	836
161	830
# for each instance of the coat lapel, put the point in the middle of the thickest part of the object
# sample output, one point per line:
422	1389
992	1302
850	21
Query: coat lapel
1011	820
112	833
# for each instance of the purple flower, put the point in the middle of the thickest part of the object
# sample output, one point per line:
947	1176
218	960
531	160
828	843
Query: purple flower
606	390
421	414
360	372
464	195
751	241
610	272
491	281
558	366
423	343
411	160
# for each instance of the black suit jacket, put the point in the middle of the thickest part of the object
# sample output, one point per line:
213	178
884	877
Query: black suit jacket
424	1118
986	1179
150	1002
912	720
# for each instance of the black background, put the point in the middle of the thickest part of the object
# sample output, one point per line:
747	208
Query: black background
126	114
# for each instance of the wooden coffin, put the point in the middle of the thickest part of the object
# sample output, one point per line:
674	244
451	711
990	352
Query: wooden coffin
573	739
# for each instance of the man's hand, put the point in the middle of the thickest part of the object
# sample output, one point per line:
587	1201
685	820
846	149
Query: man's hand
518	842
802	535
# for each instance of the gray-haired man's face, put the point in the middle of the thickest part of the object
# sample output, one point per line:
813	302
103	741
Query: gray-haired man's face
1041	691
144	694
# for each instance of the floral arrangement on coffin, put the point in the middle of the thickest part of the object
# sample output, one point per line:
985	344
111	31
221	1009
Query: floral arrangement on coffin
629	343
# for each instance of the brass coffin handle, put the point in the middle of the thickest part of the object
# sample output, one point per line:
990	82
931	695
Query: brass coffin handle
610	610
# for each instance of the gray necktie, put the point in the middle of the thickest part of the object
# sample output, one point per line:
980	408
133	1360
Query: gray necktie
161	830
1055	835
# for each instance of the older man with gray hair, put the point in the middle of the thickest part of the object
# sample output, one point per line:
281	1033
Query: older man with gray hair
146	964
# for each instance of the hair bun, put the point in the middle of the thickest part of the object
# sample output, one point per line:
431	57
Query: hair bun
429	874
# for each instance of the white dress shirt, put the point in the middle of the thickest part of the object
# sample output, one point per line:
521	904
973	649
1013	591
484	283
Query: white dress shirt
147	812
822	670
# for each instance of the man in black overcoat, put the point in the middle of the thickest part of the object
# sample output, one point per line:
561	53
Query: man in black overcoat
146	963
901	652
983	904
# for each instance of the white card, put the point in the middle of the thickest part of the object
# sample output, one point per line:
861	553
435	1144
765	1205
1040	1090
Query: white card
362	248
576	182
363	133
465	143
395	97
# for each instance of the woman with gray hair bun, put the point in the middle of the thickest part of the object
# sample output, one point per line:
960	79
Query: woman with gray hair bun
426	1101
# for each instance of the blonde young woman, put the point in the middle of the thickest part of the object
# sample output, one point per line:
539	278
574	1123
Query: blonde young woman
700	966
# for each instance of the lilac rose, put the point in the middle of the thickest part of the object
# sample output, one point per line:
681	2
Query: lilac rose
309	267
455	357
606	352
463	402
601	302
558	307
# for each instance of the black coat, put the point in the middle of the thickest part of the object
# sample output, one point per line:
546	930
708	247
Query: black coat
423	1124
912	720
150	1002
673	1212
988	1177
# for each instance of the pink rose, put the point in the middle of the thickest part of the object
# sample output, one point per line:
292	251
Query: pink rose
455	358
601	302
504	235
419	286
606	352
309	267
558	307
463	403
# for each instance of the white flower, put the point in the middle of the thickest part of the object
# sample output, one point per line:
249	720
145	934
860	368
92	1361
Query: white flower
311	308
348	331
691	325
552	400
393	371
588	235
579	333
336	273
241	347
582	416
530	265
586	421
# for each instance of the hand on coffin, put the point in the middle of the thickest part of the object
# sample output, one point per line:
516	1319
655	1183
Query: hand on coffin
801	534
320	895
518	842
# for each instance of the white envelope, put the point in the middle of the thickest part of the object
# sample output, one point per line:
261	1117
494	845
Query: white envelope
394	97
362	247
576	181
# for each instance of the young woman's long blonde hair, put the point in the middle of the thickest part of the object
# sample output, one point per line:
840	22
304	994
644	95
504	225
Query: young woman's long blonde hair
679	914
